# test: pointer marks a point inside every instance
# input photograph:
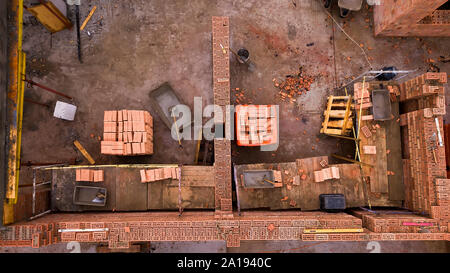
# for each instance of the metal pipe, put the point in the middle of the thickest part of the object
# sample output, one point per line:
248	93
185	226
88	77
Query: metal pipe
77	11
83	230
237	190
39	215
46	88
38	103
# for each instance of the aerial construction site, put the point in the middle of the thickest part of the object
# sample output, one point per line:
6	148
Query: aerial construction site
224	126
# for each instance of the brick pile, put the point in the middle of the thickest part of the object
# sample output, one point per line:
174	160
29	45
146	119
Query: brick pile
89	175
154	175
127	132
221	89
256	125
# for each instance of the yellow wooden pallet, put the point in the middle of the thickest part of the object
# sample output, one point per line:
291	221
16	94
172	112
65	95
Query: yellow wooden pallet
338	114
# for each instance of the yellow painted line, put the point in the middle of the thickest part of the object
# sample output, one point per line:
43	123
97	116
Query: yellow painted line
84	152
342	230
88	18
15	90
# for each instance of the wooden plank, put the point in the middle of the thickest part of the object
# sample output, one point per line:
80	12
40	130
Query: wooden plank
394	158
88	17
327	117
347	112
336	113
131	193
84	152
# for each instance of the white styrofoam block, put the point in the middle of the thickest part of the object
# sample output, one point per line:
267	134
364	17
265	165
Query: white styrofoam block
64	111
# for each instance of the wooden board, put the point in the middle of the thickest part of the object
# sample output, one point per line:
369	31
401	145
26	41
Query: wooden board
131	194
394	158
197	190
378	174
305	195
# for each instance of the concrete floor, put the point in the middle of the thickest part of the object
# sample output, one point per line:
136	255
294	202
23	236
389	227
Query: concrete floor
135	46
260	247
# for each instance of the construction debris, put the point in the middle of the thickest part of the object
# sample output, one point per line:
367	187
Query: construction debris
294	85
127	132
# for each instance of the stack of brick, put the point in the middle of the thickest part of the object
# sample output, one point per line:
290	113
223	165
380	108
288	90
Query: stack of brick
326	174
221	90
154	175
127	132
394	92
89	175
428	90
362	95
256	125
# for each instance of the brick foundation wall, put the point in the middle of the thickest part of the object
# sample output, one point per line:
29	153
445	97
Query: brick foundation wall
221	88
143	227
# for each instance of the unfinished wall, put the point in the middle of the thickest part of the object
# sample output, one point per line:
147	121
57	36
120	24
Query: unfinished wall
221	88
402	17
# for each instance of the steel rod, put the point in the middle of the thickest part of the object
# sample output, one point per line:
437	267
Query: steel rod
46	88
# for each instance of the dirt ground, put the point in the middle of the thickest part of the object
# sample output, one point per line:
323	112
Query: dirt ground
134	46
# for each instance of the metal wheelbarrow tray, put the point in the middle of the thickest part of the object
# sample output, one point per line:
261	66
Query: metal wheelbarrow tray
163	99
381	105
252	179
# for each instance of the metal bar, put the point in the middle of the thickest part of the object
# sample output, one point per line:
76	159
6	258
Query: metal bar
439	132
351	160
77	13
39	215
179	191
237	190
337	230
344	137
83	230
33	211
46	88
112	166
417	224
38	103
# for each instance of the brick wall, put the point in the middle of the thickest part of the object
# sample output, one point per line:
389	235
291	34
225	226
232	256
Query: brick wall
143	227
426	163
402	17
221	88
